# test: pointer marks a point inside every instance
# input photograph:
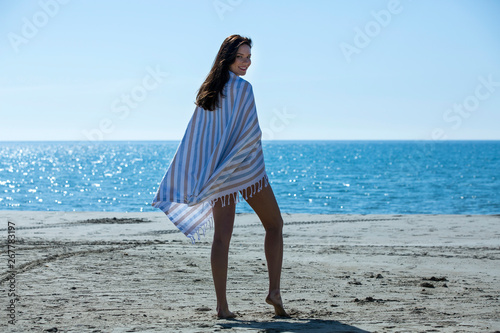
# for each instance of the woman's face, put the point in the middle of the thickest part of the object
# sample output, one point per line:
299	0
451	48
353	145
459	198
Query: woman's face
242	61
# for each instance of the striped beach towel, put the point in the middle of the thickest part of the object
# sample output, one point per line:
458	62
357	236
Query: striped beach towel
219	156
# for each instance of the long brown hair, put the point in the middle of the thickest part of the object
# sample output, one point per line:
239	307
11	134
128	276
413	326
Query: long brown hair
208	94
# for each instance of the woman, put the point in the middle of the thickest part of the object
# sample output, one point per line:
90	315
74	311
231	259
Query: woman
219	157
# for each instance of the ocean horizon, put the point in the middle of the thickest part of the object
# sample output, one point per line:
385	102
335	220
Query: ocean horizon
307	176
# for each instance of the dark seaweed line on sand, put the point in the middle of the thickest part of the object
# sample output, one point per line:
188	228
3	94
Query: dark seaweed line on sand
52	243
84	222
132	221
319	222
159	232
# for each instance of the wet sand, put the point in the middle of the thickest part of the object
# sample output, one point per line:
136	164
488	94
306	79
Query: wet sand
134	272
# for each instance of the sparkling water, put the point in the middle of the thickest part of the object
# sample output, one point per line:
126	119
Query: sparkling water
322	177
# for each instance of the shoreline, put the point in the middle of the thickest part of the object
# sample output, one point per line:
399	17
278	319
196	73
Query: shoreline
113	272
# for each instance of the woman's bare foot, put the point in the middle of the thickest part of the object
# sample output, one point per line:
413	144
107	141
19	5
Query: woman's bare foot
275	300
225	314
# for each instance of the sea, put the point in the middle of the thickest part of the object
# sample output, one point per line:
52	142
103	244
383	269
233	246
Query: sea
319	177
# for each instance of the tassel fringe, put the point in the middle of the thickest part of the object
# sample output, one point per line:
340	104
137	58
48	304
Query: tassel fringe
204	227
247	192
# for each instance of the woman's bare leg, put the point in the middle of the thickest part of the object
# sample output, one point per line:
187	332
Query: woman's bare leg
265	206
223	225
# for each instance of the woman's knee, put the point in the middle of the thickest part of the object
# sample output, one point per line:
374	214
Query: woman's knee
221	241
222	236
274	225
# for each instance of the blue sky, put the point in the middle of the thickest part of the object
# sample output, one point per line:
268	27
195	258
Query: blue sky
340	70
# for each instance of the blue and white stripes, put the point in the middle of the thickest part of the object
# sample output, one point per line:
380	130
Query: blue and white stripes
219	156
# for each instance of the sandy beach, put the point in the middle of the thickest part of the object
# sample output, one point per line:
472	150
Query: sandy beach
134	272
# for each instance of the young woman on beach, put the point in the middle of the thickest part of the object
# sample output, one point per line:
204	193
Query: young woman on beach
219	157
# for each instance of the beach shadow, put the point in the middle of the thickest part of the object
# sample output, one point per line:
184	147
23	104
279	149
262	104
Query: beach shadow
294	325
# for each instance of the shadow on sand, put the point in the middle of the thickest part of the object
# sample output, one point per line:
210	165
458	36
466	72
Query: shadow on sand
294	325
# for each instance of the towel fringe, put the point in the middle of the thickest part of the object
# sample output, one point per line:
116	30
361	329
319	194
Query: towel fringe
202	229
246	193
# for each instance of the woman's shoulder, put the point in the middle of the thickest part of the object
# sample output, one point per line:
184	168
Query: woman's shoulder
241	83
